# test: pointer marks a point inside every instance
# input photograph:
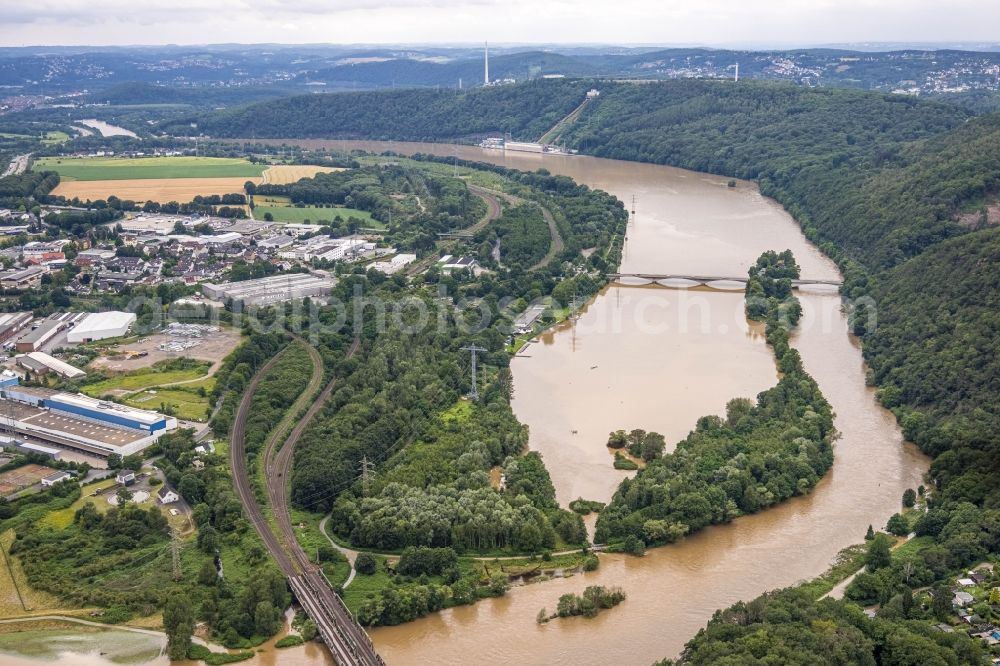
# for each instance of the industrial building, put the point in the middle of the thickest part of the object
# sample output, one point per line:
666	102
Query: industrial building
11	323
25	278
395	264
41	363
324	248
79	422
272	289
38	336
101	325
46	329
449	263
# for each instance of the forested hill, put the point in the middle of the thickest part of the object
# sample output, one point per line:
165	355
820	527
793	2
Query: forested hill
527	111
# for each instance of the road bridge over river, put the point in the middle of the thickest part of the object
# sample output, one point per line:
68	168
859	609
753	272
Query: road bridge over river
707	280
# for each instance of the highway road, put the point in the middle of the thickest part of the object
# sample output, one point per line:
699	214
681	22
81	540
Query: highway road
19	164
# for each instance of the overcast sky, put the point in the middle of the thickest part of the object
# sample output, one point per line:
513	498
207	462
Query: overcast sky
710	22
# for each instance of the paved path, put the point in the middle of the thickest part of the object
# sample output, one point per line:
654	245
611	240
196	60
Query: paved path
838	590
351	555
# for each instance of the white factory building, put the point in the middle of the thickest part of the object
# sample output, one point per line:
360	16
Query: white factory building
395	264
45	417
101	325
325	248
271	289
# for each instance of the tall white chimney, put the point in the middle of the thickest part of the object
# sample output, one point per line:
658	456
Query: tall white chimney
486	65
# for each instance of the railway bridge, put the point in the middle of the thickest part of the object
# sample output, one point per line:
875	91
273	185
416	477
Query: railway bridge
707	280
346	639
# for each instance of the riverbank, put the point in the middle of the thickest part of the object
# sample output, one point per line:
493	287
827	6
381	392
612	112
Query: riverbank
665	357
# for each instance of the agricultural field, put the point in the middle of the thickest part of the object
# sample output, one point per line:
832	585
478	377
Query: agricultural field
149	168
180	190
283	174
159	179
281	210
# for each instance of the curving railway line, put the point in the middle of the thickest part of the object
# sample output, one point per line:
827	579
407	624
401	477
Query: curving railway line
345	638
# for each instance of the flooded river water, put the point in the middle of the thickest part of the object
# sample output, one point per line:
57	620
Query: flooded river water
656	358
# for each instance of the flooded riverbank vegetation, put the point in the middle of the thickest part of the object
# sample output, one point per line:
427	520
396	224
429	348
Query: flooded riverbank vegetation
594	599
760	454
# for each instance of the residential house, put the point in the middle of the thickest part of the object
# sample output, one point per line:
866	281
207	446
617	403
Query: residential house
166	496
126	477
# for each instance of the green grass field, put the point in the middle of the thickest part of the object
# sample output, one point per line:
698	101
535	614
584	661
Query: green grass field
184	403
116	168
312	213
145	378
61	519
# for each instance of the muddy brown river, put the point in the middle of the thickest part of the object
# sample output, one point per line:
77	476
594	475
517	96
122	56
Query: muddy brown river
657	358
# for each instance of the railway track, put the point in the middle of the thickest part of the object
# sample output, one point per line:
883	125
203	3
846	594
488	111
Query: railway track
348	642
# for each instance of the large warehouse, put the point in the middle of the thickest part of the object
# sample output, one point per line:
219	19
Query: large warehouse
78	422
101	325
272	289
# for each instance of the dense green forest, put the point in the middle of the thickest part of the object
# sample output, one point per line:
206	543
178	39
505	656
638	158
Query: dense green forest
399	404
762	453
526	111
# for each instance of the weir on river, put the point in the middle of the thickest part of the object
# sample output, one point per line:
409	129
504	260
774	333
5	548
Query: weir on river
658	359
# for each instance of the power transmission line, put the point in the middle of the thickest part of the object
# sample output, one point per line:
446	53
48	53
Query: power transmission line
474	350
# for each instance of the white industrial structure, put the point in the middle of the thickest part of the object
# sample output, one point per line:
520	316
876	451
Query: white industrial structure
272	289
395	264
101	325
77	422
40	362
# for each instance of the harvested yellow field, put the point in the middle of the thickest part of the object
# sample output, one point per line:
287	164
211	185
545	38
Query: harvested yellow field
282	174
162	190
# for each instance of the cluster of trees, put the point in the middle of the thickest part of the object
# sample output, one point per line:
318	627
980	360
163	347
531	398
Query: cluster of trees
760	454
249	602
523	236
231	205
237	371
593	600
639	443
285	380
412	595
769	288
415	204
417	561
90	561
791	627
17	189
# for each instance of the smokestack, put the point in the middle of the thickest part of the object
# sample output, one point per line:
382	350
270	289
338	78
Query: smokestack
737	79
486	65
